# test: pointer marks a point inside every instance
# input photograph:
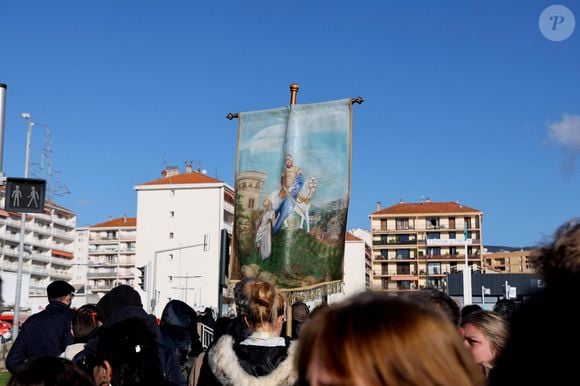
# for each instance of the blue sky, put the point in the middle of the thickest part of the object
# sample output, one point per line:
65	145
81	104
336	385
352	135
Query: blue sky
466	100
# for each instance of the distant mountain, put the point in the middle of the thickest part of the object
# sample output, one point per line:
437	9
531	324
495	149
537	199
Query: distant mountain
499	248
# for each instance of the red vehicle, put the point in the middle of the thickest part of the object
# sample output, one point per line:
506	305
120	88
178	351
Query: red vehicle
5	331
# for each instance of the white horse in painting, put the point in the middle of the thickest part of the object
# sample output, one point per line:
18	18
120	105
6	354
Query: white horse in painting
301	204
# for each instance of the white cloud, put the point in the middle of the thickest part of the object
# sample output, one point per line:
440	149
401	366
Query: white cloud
567	132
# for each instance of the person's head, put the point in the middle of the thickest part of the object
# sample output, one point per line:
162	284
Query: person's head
505	307
179	323
440	301
469	309
485	334
85	321
127	354
265	308
374	339
180	314
50	371
559	261
289	160
267	203
60	291
117	298
242	294
300	311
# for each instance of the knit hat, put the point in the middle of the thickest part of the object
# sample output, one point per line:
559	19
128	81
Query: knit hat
118	297
59	288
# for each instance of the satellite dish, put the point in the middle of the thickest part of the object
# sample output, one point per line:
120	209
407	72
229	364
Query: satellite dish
204	171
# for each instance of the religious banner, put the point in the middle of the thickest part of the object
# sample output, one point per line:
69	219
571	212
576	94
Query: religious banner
292	194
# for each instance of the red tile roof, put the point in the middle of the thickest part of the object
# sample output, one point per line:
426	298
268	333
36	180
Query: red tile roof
351	237
184	178
117	223
426	207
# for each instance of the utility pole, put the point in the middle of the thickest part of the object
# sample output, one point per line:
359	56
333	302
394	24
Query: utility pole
18	295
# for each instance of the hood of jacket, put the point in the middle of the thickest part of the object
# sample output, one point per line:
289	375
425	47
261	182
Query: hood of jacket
225	365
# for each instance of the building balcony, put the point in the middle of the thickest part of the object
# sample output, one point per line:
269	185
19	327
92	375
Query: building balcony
472	257
102	275
397	276
62	235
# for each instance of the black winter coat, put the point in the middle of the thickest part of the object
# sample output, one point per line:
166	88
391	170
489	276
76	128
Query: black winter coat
44	334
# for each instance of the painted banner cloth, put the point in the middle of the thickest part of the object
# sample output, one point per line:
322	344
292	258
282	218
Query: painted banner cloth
292	193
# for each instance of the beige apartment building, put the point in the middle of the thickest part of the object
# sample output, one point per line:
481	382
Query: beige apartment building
416	244
510	261
111	254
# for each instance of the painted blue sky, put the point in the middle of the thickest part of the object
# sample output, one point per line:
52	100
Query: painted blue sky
465	101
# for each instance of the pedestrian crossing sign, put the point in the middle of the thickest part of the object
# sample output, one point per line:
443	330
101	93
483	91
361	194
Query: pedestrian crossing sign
24	195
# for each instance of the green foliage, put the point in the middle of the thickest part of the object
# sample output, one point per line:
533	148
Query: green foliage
297	255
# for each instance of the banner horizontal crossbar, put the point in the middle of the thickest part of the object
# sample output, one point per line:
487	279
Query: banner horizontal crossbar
358	100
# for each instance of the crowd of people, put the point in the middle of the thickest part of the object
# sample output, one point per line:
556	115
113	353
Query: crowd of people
370	339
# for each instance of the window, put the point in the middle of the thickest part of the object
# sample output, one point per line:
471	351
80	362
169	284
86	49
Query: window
434	251
404	269
172	193
384	253
434	268
403	254
251	203
467	222
451	222
433	235
432	222
452	235
404	285
172	213
383	224
170	235
402	223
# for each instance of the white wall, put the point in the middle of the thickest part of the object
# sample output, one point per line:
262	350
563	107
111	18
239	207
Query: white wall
354	270
198	211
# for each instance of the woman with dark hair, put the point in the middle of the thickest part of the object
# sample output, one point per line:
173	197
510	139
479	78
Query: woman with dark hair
378	340
127	354
264	358
179	330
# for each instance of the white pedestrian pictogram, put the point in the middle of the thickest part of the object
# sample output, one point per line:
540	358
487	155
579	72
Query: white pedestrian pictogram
33	196
16	196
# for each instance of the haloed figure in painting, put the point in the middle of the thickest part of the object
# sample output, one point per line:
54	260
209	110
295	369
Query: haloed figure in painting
292	181
264	232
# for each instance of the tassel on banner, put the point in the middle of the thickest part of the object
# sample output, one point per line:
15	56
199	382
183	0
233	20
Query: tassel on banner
316	293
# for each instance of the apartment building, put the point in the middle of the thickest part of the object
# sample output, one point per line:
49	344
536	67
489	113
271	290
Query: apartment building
48	249
416	244
111	254
181	216
510	261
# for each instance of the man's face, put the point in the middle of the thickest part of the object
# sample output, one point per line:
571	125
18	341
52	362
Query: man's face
289	162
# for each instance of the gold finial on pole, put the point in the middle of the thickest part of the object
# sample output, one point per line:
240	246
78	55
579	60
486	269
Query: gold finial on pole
293	91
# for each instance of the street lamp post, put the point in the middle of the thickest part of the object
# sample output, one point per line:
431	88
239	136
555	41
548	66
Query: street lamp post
155	295
18	295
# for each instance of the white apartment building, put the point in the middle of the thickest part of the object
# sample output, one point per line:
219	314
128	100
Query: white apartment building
357	262
111	254
48	249
180	217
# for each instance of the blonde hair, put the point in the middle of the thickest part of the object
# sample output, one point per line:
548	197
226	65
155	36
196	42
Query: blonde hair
264	305
493	326
378	340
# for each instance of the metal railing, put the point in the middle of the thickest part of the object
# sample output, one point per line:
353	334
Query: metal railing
206	335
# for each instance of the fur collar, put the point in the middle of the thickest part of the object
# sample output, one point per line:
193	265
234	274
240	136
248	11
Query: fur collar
224	365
